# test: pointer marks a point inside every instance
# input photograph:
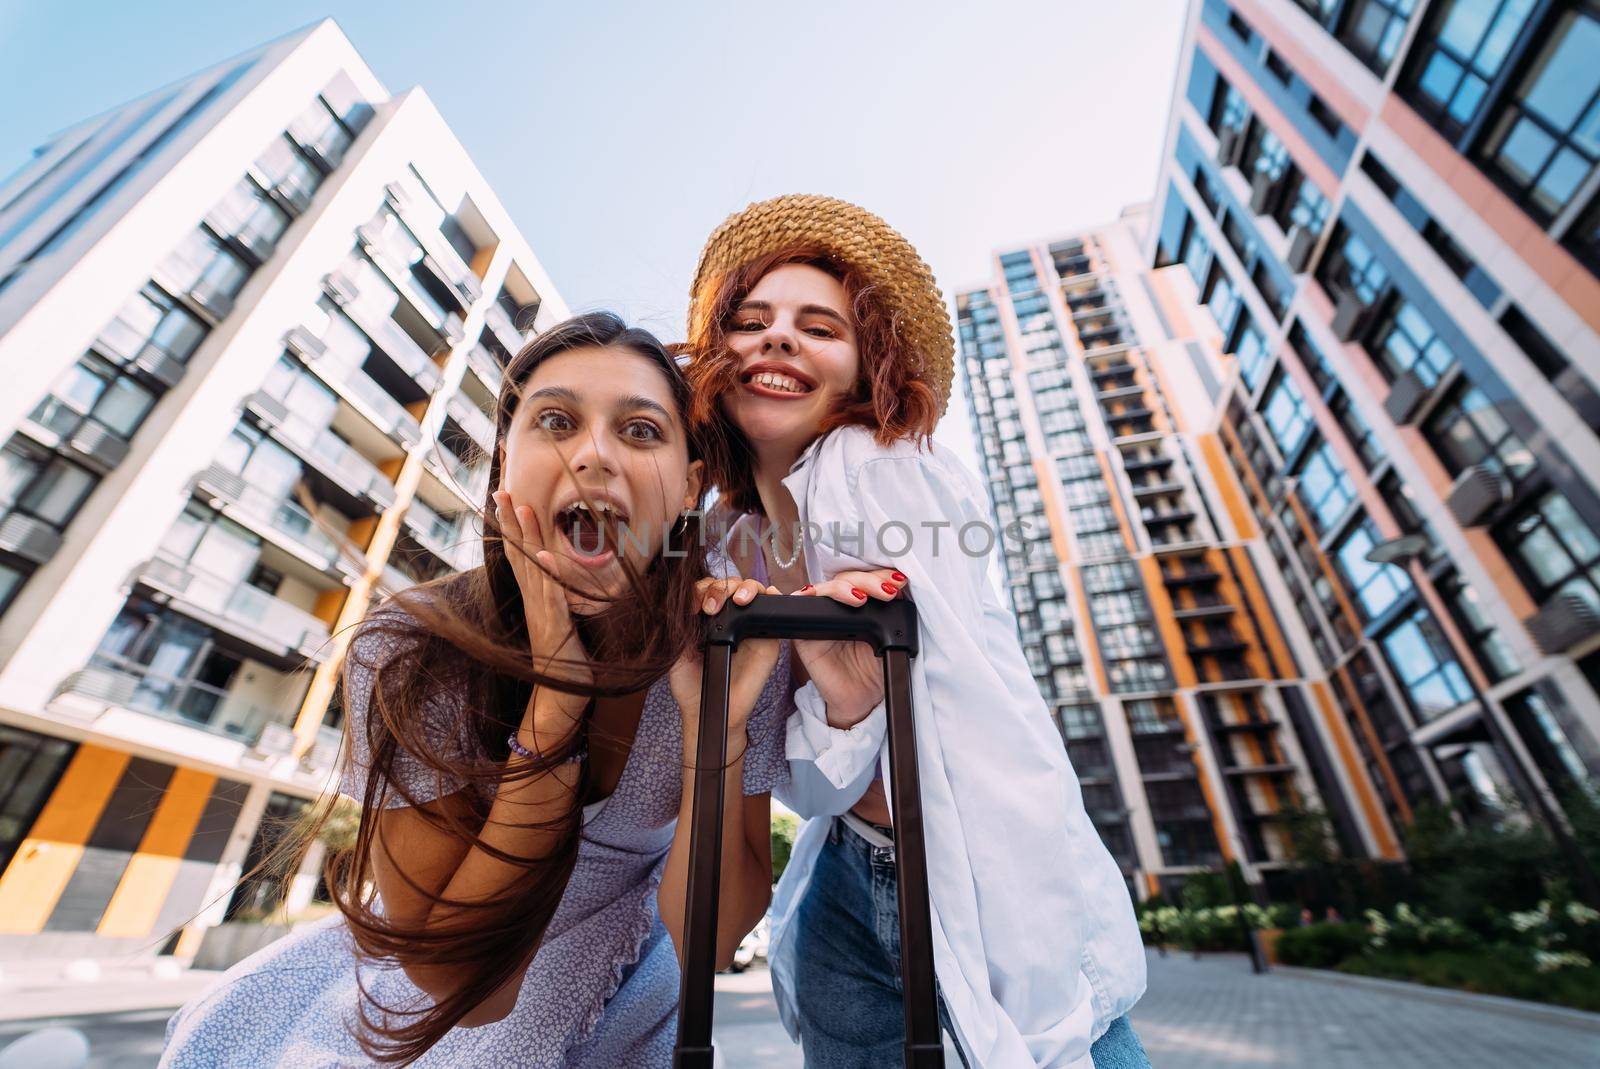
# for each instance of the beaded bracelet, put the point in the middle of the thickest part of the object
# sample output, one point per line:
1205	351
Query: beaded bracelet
520	750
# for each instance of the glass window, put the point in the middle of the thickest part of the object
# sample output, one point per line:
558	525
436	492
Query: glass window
1376	587
1372	29
1582	238
317	129
1286	415
1554	548
1425	667
1264	153
1228	108
30	767
1222	299
1356	430
1195	251
282	169
1252	353
150	318
201	263
1564	748
93	390
1302	205
247	216
19	466
56	494
1545	138
1324	486
1352	266
1466	608
1458	55
1467	429
1405	341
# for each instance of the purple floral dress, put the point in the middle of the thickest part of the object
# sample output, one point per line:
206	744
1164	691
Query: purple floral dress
603	988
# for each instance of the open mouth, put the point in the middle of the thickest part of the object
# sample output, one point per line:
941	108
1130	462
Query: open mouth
592	531
768	382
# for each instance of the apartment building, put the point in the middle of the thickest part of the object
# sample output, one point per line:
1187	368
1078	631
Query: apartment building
1391	210
1141	585
254	325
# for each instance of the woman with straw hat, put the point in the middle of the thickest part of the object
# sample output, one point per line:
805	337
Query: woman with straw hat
821	358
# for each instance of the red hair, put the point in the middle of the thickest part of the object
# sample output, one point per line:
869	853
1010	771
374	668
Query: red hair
889	398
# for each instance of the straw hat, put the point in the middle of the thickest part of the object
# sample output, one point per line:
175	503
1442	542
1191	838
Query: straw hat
856	237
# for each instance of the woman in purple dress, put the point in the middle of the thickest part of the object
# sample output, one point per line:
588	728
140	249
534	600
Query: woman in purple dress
517	740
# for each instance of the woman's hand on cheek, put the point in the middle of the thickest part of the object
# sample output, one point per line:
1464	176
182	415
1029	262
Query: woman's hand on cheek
554	642
848	675
753	660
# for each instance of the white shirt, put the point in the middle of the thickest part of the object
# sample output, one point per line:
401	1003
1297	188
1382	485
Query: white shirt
1035	943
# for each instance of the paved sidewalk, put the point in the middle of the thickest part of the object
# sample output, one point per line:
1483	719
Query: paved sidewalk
1207	1014
1215	1013
47	988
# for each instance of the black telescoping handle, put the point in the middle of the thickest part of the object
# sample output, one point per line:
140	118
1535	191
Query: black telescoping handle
890	627
882	624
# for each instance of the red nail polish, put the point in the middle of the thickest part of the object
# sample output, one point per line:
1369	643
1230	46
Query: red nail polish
805	588
889	588
897	577
858	593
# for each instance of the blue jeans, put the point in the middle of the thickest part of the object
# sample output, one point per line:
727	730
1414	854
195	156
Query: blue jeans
847	966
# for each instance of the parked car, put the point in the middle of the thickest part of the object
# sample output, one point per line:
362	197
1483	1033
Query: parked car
753	946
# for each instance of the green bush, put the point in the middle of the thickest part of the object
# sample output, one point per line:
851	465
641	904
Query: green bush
1322	946
1497	970
785	826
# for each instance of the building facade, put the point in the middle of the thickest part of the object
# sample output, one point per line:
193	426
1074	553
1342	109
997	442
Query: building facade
1392	212
1142	586
255	324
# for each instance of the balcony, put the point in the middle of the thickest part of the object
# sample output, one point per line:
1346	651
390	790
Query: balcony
395	251
1190	577
350	477
1278	769
113	682
1163	486
288	525
212	291
1132	466
1203	609
29	538
1215	644
60	426
439	536
1115	388
505	331
471	419
439	256
487	367
385	333
276	632
467	481
1107	370
1072	266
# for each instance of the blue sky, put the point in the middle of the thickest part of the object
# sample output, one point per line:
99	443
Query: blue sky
621	134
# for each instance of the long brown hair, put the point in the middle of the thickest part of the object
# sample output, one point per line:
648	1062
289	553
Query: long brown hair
458	668
888	398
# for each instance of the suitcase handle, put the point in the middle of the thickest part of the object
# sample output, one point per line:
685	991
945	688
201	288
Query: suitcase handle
891	628
885	625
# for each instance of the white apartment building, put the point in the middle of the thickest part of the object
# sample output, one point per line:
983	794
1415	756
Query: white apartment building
254	325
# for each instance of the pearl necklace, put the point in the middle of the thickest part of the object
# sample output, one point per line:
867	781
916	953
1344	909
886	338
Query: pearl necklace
779	561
